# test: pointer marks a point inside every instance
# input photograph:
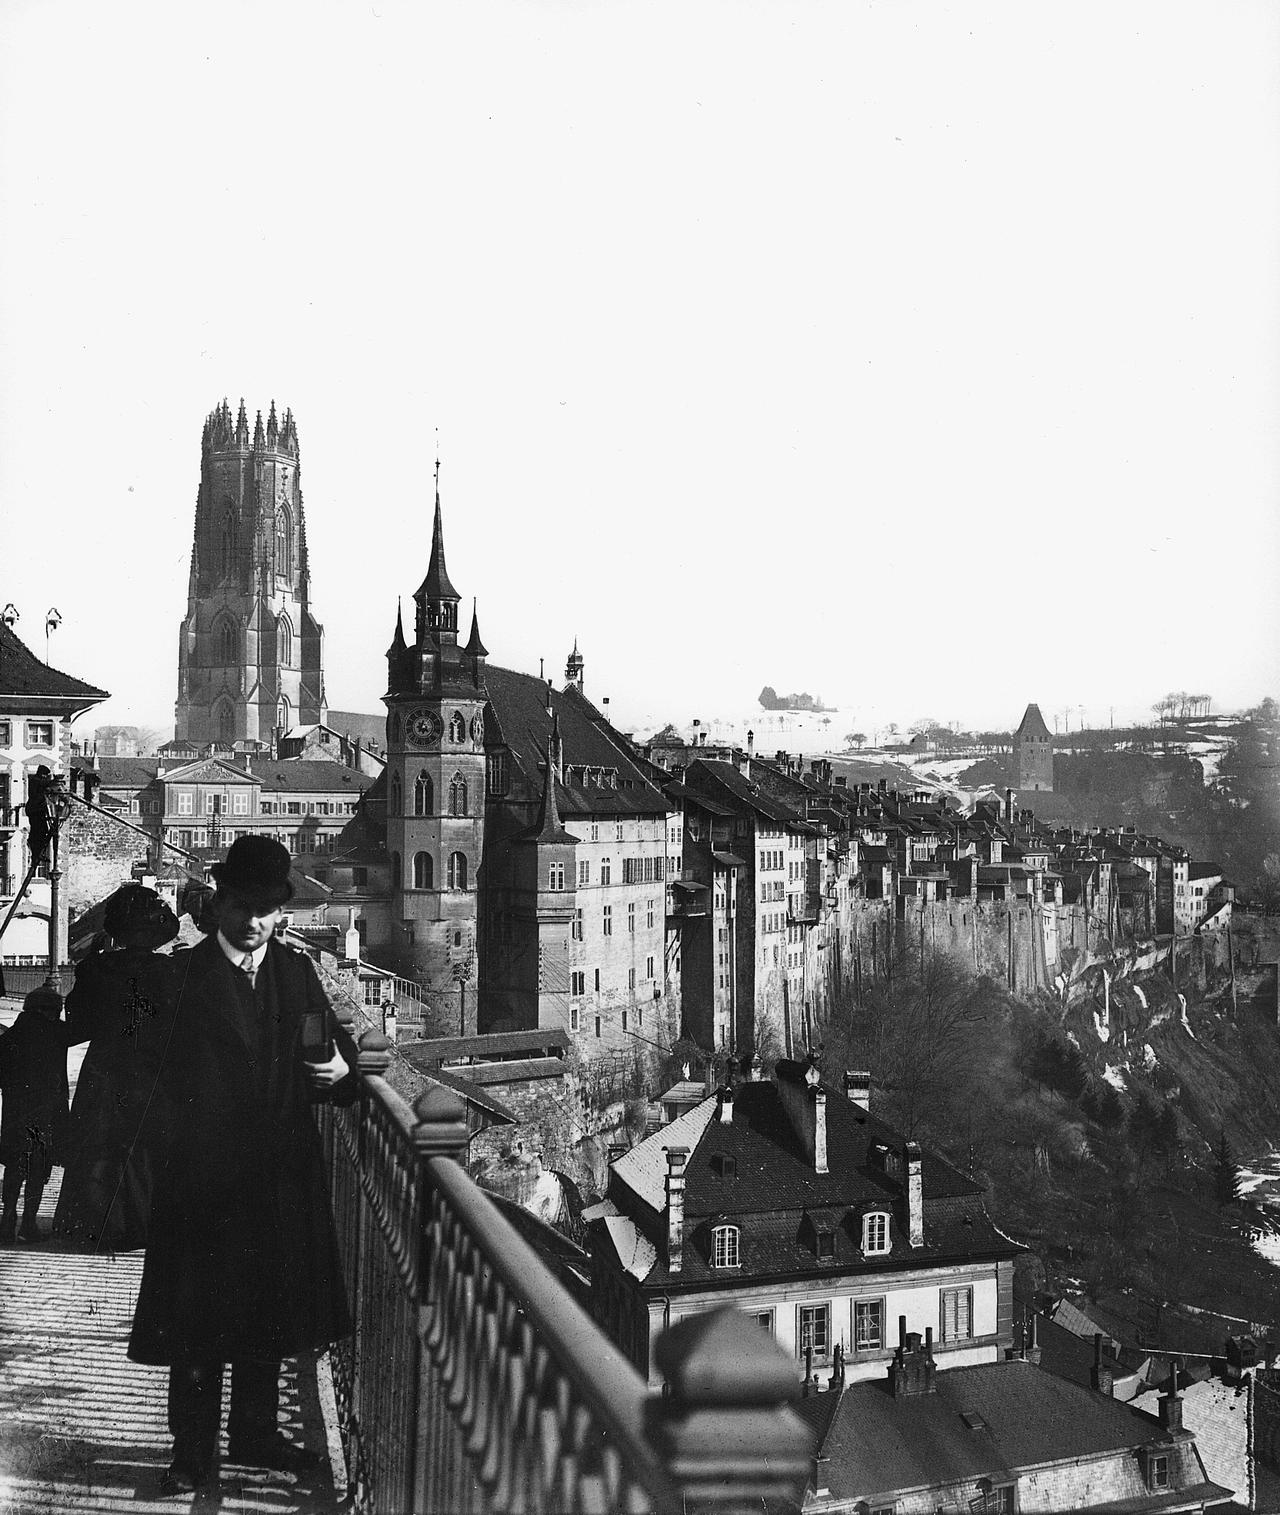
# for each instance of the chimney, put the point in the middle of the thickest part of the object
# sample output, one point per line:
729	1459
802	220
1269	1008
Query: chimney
1169	1408
724	1105
1008	806
857	1087
1100	1378
676	1159
805	1103
1031	1338
913	1369
915	1194
751	743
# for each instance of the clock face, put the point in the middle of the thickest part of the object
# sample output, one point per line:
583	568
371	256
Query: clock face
425	727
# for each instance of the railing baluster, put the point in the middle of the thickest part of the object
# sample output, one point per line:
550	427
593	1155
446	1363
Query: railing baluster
475	1383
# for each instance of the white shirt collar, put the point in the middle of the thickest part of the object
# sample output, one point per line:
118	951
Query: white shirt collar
237	955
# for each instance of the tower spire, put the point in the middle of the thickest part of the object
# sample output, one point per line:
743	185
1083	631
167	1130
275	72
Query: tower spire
550	828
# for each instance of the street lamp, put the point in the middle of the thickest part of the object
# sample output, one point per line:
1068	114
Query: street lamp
57	803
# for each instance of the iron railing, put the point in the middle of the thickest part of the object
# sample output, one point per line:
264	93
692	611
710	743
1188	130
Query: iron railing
474	1382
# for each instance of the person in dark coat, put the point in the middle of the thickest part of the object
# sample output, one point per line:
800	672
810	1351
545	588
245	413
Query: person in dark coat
33	1108
122	1005
242	1263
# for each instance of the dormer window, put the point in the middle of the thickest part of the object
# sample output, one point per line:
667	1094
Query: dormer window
1156	1471
724	1247
724	1165
825	1246
875	1233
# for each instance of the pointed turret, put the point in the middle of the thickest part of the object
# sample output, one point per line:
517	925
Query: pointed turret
273	428
475	647
242	426
436	598
259	440
550	828
398	644
573	669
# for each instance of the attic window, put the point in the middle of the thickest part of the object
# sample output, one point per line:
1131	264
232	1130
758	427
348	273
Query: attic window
875	1233
973	1420
1157	1470
724	1165
724	1247
825	1245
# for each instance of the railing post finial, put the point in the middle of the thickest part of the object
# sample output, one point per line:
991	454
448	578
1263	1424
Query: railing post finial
441	1127
375	1053
726	1430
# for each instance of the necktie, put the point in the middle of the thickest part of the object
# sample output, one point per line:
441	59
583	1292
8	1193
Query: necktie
247	965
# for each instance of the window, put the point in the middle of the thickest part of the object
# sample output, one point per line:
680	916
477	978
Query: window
631	918
227	650
359	876
397	795
423	869
6	733
39	733
724	1247
619	837
240	802
595	831
815	1330
868	1325
825	1245
597	981
648	967
955	1315
555	876
282	544
457	727
284	645
423	798
499	780
185	803
578	981
211	804
458	795
1157	1470
575	1018
649	918
457	870
631	979
875	1233
576	927
606	870
606	921
584	873
395	870
624	1023
597	1025
764	1319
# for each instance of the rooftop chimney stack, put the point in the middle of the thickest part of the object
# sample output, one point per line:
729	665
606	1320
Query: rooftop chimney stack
913	1369
677	1157
819	1097
1170	1405
914	1159
724	1105
1100	1377
857	1087
805	1102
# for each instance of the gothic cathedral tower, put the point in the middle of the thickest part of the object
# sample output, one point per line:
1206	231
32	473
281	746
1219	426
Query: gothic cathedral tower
436	786
250	654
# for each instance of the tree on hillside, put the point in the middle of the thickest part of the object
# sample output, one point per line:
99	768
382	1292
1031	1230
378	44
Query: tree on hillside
667	736
768	698
1226	1174
855	739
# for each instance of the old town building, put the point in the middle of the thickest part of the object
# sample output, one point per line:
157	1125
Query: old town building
793	1203
1033	747
250	652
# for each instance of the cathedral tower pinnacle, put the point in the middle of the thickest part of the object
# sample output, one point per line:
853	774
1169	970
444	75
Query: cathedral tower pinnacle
250	653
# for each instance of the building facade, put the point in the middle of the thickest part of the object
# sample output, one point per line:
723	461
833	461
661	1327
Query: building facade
250	652
1033	750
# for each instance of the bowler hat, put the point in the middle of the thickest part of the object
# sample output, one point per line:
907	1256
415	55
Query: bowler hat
257	867
138	915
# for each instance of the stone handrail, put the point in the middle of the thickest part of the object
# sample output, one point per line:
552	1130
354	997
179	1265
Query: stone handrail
475	1382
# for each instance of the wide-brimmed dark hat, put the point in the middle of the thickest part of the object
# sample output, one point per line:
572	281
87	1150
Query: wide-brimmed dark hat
139	915
256	867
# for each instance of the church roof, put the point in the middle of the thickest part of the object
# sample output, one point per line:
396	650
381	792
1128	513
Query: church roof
1032	724
436	585
28	684
518	702
370	728
300	775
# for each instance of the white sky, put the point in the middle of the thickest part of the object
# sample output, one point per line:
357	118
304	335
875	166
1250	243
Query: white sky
923	356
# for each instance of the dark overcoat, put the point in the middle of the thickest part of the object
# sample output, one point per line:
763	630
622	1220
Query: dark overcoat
33	1101
242	1260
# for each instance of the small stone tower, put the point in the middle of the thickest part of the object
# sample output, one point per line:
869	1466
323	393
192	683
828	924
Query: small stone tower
250	653
1033	747
436	786
573	669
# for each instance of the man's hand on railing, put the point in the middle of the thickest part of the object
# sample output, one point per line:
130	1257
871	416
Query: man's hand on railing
326	1075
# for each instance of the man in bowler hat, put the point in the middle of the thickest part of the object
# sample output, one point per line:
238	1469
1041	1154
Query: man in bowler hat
242	1263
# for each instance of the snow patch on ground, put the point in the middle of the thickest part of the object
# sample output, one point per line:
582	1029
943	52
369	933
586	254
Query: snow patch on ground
1186	1024
1268	1246
1148	1056
1115	1077
1141	993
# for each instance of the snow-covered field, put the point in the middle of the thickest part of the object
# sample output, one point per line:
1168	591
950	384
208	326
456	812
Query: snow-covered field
1262	1184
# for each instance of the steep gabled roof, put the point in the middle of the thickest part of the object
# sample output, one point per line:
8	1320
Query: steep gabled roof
1032	724
126	772
28	684
300	775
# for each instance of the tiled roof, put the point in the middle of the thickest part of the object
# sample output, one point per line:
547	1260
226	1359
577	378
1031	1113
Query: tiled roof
127	772
301	775
370	728
24	678
1071	1318
729	779
775	1191
518	705
1217	1414
878	1444
1032	723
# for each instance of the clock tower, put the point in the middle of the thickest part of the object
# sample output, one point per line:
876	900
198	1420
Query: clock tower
436	788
